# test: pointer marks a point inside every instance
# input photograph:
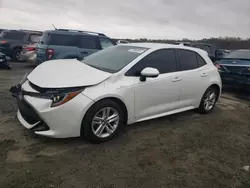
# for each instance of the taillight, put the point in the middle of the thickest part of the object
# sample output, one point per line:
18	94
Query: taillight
30	48
50	53
3	41
217	66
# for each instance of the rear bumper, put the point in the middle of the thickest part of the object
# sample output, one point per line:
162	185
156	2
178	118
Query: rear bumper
233	80
29	57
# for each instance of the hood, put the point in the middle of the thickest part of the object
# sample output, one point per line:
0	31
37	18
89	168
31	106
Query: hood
66	73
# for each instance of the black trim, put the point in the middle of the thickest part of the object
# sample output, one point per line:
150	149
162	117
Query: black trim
42	126
27	112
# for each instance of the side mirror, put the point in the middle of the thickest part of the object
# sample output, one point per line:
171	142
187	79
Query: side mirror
149	72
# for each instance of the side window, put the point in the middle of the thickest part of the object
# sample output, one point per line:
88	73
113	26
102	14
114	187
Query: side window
62	40
188	60
88	42
105	43
200	60
163	60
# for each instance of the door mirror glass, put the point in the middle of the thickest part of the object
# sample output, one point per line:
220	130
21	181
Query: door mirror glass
149	72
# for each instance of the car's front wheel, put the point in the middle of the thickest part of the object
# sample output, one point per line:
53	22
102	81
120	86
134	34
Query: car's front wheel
208	100
102	121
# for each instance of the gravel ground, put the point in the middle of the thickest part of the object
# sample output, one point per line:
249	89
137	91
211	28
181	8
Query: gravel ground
183	150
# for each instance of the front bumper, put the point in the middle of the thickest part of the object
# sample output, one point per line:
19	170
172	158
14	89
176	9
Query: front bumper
63	121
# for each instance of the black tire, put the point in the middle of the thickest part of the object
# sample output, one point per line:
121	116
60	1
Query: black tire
86	127
16	55
202	109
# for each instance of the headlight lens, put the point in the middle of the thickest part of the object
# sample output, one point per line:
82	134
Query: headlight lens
60	99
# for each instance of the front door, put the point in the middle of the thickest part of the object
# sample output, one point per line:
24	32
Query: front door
160	95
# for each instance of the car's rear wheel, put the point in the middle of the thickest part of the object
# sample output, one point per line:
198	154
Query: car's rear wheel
17	55
208	100
102	121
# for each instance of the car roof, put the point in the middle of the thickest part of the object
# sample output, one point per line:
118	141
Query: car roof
76	32
156	46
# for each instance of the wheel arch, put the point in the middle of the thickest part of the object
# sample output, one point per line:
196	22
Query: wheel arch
119	101
217	87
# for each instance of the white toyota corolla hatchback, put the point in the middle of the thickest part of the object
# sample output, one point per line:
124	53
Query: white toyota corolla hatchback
121	85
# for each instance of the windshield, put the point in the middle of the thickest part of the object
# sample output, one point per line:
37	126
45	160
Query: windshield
114	58
238	54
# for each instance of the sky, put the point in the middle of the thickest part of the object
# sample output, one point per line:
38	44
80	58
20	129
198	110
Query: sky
155	19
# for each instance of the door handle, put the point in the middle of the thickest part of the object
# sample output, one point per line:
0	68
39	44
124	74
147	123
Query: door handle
204	74
176	79
85	52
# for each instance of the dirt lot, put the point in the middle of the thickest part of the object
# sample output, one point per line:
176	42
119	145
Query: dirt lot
184	150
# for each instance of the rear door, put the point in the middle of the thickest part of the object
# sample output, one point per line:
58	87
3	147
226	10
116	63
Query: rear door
10	40
87	45
194	74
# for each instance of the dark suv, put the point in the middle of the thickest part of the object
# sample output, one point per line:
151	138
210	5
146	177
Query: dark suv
11	41
70	44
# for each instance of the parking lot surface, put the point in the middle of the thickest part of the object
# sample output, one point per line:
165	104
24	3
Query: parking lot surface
183	150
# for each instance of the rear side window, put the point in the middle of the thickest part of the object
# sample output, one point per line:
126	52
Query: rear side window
163	60
13	35
188	60
201	62
62	40
105	43
88	42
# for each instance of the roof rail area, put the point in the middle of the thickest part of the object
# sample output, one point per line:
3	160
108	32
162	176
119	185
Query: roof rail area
90	32
30	31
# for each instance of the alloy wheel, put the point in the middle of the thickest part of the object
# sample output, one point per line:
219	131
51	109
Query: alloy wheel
209	100
105	122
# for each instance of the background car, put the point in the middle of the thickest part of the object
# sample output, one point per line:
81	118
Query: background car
120	85
28	53
69	44
12	41
234	69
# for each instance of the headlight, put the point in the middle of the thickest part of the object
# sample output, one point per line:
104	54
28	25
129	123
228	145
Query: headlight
60	99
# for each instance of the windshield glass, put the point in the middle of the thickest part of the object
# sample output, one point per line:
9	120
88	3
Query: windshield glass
114	58
238	54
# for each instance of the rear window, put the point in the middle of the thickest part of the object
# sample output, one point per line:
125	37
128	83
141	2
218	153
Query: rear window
35	38
238	54
13	35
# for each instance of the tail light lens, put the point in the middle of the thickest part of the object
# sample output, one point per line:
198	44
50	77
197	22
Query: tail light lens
3	41
30	48
50	53
217	66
